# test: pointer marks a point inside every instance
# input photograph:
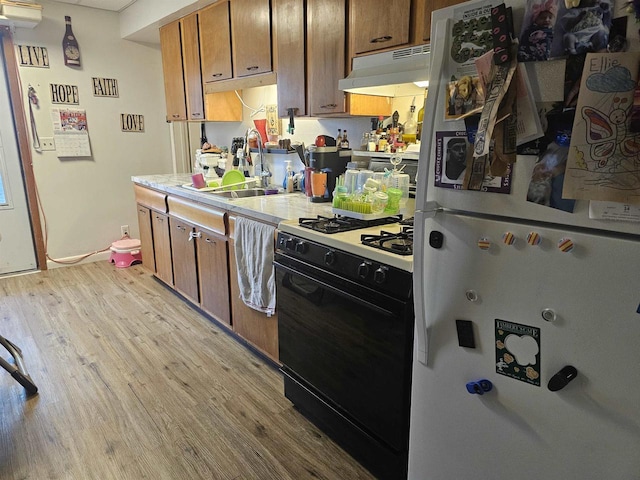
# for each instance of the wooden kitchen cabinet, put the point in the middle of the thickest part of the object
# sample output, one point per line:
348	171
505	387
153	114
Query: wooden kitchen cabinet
174	88
191	66
378	24
256	327
155	243
213	272
289	32
326	36
183	252
314	90
201	264
251	37
215	42
146	238
162	247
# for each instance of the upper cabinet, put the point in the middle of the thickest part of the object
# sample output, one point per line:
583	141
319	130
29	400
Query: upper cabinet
377	24
215	42
251	36
289	36
326	27
171	46
191	66
181	68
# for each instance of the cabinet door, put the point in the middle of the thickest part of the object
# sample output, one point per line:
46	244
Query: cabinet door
377	24
251	36
254	326
146	238
162	247
183	250
326	22
430	6
213	272
215	42
191	64
289	21
171	47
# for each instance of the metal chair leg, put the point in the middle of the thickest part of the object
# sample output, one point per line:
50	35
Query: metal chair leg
17	371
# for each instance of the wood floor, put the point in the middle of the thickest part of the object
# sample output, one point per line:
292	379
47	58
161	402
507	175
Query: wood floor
134	384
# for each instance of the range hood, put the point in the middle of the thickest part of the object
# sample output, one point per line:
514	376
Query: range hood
389	74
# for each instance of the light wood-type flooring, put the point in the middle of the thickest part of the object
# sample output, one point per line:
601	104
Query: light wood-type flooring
135	384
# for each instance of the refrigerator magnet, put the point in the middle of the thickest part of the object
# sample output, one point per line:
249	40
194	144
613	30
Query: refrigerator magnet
453	154
518	351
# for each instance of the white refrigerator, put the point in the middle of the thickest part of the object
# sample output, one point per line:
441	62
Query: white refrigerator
527	356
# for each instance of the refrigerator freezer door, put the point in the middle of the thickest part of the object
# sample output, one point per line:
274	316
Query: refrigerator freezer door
569	299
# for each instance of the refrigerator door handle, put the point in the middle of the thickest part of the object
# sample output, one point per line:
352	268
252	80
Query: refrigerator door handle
421	330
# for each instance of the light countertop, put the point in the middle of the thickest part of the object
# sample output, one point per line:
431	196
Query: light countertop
266	208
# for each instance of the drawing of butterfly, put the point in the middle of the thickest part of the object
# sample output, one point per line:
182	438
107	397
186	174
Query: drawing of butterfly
608	133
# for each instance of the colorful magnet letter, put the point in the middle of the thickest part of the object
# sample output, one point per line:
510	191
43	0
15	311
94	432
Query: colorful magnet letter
565	245
509	238
534	238
484	244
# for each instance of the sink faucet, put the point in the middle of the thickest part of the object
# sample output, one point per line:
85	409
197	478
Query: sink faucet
261	168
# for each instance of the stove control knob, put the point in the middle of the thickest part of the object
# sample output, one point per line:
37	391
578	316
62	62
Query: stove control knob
301	247
330	257
288	244
363	269
380	275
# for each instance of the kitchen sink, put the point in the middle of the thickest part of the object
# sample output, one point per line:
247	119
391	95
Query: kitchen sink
250	192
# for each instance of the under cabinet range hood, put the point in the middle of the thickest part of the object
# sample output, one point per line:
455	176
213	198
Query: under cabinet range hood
395	73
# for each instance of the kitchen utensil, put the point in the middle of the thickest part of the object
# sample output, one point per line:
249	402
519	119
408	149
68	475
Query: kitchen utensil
232	178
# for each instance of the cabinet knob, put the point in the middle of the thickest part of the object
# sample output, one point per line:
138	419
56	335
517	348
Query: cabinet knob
208	240
216	75
193	234
384	38
253	67
329	105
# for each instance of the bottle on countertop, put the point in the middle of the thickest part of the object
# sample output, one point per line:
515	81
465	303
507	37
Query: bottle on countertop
339	138
289	177
345	140
70	47
410	127
419	123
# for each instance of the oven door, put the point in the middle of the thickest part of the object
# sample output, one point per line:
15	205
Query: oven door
348	344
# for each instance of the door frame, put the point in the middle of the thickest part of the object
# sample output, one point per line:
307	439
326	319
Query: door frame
24	150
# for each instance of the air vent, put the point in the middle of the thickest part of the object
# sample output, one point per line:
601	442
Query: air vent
410	52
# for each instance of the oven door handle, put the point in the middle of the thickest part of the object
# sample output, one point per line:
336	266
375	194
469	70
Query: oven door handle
317	294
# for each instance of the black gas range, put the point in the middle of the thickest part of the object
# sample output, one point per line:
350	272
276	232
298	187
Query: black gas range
345	331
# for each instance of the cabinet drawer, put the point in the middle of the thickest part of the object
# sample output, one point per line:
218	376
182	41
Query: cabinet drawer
151	198
213	220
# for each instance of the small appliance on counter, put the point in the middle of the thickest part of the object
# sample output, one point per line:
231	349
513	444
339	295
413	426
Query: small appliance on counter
333	162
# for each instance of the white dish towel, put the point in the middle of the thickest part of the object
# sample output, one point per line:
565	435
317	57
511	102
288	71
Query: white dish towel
254	262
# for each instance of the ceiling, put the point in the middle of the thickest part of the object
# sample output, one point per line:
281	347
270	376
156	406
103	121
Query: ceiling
112	5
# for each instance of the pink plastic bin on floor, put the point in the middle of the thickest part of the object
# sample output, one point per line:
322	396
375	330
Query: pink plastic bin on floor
125	253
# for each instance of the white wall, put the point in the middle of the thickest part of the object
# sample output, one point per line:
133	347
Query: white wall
87	200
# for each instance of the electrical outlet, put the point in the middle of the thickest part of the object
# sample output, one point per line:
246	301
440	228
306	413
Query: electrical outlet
124	230
47	144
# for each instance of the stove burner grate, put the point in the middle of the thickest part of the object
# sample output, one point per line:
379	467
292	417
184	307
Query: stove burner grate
400	243
340	223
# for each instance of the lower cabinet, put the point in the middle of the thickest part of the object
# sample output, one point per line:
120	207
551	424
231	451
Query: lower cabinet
256	327
189	246
213	271
162	247
200	256
155	241
183	249
146	238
